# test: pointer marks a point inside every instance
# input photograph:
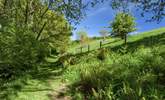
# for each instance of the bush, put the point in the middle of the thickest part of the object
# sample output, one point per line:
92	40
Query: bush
20	53
102	54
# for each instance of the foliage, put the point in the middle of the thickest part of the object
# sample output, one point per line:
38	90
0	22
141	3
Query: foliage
130	76
72	9
102	54
147	6
20	53
83	37
149	38
155	8
122	25
29	30
136	74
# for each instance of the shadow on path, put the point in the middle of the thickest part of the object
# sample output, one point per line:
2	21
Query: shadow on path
43	74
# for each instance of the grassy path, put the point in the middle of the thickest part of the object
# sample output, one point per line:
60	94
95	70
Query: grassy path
53	89
48	85
59	93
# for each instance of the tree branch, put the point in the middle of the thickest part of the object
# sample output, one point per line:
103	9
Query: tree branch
26	13
39	34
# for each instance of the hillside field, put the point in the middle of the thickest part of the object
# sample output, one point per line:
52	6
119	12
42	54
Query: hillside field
114	72
113	42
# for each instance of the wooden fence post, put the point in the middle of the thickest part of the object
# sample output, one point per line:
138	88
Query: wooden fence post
100	44
152	40
81	48
88	47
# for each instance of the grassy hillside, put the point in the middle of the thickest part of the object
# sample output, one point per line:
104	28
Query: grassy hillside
115	72
141	39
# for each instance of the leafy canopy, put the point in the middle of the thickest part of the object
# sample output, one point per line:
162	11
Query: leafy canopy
29	29
155	8
123	24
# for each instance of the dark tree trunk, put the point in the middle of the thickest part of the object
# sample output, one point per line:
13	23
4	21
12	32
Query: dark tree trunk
26	13
88	48
100	44
81	48
41	31
125	39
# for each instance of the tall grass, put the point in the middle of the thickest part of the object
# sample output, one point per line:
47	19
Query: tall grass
131	76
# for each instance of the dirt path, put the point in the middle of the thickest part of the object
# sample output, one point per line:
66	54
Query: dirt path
60	93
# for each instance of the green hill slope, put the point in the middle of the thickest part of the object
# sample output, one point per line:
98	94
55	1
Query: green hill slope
148	38
138	74
116	73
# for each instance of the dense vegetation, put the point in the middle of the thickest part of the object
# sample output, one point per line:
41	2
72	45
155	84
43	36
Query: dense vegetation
38	60
113	72
122	25
133	72
27	36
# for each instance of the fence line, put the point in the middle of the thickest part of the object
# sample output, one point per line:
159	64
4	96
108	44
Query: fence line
88	47
152	40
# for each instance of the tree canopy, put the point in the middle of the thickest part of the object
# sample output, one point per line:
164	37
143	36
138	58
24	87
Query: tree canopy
123	24
155	8
29	29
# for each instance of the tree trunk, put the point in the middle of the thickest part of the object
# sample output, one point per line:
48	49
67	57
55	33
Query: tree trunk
88	48
41	31
125	39
81	48
26	12
100	44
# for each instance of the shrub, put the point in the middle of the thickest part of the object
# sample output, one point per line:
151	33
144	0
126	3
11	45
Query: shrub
102	54
20	53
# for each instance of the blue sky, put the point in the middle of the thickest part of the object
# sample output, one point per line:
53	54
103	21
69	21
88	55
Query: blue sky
100	16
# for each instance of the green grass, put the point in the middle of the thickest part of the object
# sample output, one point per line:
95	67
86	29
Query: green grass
135	72
113	42
130	76
38	90
34	90
132	73
33	86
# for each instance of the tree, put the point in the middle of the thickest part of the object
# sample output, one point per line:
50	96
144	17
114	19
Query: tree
104	33
155	8
123	24
29	29
47	24
57	32
82	37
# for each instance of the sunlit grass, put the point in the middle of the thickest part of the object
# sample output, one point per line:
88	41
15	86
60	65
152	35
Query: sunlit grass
122	74
112	42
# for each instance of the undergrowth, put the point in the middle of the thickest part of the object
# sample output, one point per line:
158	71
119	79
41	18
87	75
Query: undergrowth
121	76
